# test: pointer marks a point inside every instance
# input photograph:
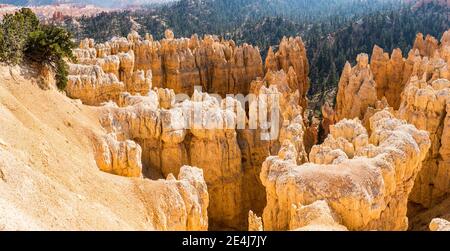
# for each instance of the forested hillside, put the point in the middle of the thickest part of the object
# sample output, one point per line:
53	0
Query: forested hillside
333	30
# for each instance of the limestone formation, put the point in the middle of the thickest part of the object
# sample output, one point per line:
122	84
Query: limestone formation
49	177
179	64
439	225
390	74
427	106
291	58
254	222
328	118
357	90
426	46
365	181
315	217
427	57
92	85
200	132
386	142
120	158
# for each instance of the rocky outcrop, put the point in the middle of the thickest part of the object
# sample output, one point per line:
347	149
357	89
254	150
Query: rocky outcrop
92	85
291	58
189	213
254	222
50	180
390	74
427	106
314	217
427	46
200	132
120	158
365	181
357	90
439	225
179	64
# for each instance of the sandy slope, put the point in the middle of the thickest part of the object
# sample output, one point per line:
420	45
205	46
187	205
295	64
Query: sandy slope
48	175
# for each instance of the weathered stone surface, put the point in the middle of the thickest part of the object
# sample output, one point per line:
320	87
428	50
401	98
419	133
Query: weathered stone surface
365	181
427	106
291	58
390	74
50	180
120	158
254	222
439	225
314	217
357	90
179	64
426	46
92	85
200	132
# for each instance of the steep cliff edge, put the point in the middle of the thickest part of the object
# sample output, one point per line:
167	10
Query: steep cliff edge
49	179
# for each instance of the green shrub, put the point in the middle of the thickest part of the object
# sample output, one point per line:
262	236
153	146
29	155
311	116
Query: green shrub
14	30
61	74
50	45
23	37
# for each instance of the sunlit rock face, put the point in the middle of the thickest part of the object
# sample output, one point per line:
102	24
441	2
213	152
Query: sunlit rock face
374	158
179	64
439	225
60	170
357	90
416	89
390	74
171	135
427	106
365	180
291	58
92	85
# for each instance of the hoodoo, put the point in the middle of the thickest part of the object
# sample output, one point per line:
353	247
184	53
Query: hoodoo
205	133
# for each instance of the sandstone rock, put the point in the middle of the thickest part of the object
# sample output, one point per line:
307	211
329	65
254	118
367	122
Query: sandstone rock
439	225
92	85
291	58
367	191
50	180
390	74
179	64
315	217
357	90
328	118
200	132
120	158
254	222
427	105
427	47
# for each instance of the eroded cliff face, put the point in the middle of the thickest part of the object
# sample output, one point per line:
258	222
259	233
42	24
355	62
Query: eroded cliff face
416	89
49	175
356	90
178	64
364	180
249	163
200	131
390	74
216	136
427	106
291	58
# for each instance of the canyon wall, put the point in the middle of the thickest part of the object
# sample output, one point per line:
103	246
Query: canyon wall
385	141
217	66
365	180
50	180
417	89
